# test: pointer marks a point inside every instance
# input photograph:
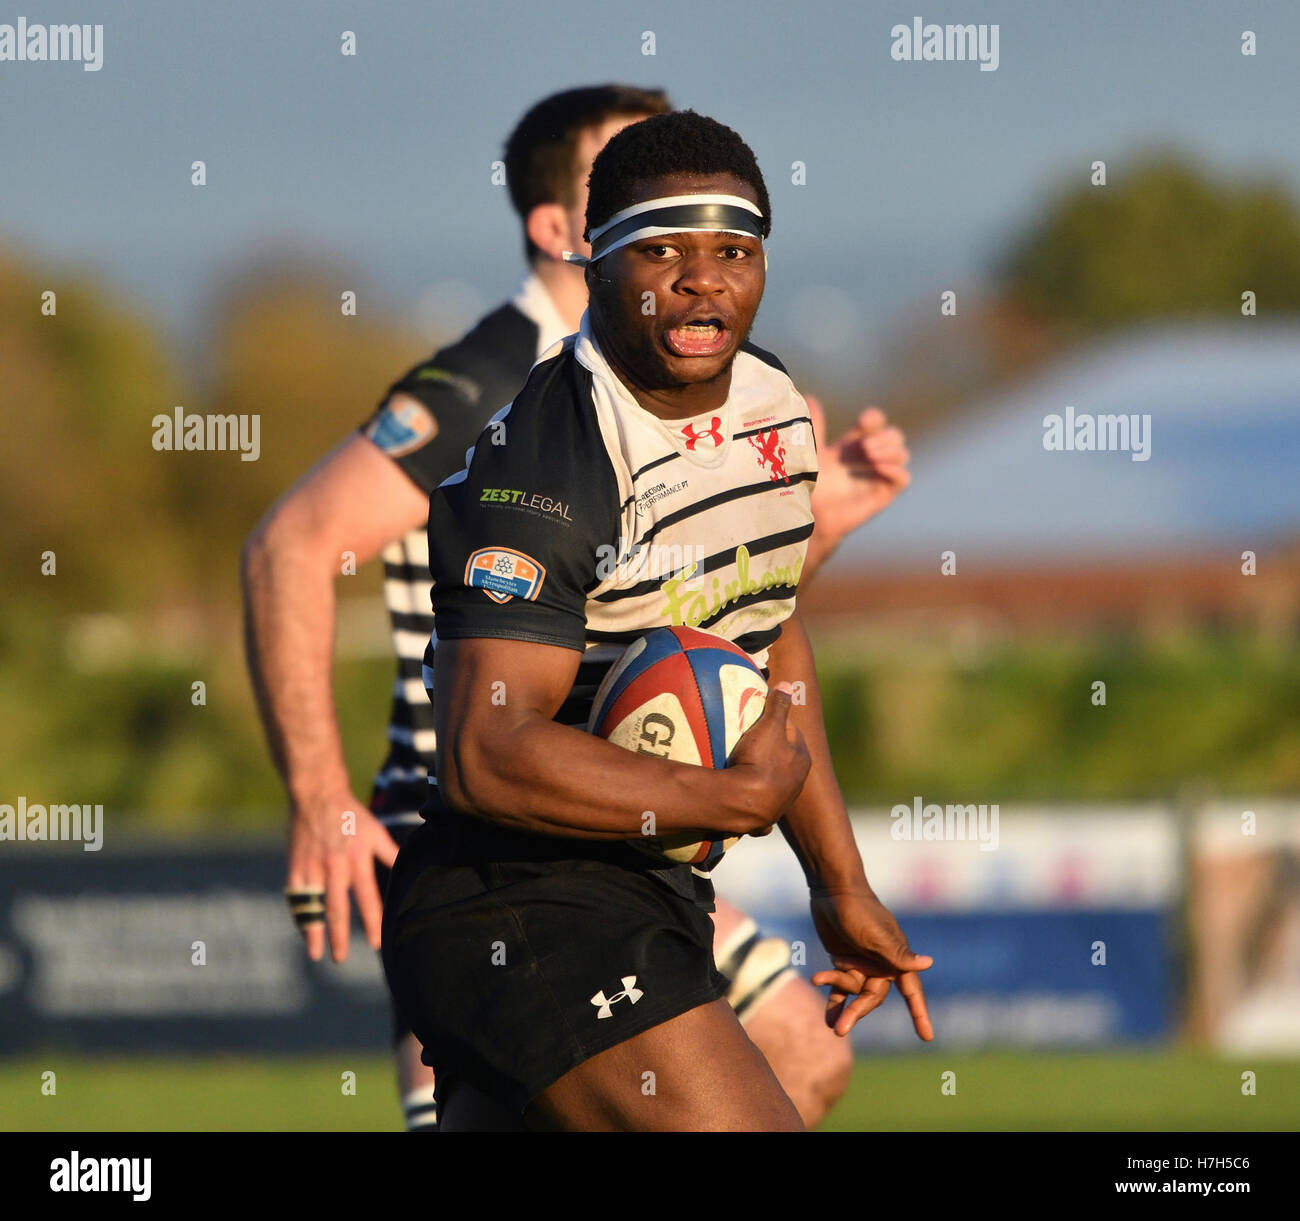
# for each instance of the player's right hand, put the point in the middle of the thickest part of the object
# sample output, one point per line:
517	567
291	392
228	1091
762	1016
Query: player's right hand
333	845
772	761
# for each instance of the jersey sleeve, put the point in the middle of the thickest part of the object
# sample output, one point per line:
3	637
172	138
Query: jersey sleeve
427	419
515	539
431	415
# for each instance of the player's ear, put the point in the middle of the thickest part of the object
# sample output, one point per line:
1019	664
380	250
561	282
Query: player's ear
548	229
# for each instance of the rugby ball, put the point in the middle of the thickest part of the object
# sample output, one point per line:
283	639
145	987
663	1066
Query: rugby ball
686	695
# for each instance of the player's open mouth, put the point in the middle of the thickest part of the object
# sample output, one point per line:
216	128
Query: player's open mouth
699	337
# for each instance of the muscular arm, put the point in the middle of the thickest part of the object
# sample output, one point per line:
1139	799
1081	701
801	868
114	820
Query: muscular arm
817	824
355	499
510	763
868	950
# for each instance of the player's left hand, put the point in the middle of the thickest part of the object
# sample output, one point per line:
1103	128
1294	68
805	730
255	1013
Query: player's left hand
869	952
859	474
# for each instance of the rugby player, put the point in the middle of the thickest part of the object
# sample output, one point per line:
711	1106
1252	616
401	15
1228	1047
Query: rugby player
543	960
371	493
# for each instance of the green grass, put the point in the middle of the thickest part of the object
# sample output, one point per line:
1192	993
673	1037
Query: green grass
214	1094
1160	1092
1166	1091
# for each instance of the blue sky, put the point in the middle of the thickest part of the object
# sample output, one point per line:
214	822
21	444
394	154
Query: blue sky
916	172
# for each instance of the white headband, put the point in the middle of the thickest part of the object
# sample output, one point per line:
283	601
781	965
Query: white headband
672	214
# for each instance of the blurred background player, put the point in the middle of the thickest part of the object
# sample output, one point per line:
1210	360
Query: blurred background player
370	496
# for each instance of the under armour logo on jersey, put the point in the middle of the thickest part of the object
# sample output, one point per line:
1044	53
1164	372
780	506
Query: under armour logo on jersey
714	430
770	450
630	992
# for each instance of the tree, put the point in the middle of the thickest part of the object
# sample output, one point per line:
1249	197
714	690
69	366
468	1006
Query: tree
1162	240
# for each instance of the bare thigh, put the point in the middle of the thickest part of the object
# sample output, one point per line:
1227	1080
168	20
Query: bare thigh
698	1072
788	1024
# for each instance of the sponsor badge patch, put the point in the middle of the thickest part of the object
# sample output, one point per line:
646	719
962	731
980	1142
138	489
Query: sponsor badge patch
503	574
402	426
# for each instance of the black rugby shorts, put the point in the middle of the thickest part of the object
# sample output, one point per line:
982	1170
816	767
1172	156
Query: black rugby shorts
515	960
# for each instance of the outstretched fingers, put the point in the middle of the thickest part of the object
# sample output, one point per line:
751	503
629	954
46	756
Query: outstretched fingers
909	984
858	989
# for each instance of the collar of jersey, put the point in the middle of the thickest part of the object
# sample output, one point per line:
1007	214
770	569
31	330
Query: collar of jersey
590	357
534	301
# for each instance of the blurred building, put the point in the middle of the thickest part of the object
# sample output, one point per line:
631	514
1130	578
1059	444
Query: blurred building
1043	536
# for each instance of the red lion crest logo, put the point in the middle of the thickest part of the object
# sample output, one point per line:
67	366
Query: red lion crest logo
771	453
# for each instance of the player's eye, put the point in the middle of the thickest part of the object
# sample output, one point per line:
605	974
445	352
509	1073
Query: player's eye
658	251
734	254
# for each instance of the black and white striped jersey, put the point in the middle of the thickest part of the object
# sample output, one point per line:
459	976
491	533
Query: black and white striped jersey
455	391
583	520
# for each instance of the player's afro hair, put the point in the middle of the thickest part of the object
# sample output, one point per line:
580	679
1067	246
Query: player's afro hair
679	142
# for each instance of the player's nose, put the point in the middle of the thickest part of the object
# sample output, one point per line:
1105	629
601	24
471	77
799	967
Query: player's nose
699	275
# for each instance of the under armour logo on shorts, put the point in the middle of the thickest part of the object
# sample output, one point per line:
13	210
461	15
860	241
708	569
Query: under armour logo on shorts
630	992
